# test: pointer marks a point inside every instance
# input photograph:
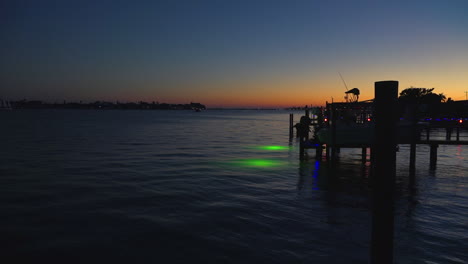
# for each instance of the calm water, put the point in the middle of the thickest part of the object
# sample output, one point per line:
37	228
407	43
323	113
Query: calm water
178	186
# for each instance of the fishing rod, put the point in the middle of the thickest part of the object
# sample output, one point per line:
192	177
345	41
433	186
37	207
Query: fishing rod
346	86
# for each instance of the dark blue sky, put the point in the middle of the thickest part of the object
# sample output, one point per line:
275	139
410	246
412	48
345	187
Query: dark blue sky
228	52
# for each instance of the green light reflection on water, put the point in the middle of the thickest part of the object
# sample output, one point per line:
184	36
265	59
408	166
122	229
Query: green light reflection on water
258	163
272	147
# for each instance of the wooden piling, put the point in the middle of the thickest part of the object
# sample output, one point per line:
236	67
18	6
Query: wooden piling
291	125
363	155
333	133
448	133
383	180
412	160
433	156
301	148
414	136
318	152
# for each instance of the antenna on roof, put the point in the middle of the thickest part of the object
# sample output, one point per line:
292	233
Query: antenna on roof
346	86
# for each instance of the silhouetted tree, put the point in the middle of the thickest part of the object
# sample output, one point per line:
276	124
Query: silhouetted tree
423	96
433	99
414	95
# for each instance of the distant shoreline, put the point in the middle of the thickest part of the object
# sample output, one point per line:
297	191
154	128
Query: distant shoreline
102	105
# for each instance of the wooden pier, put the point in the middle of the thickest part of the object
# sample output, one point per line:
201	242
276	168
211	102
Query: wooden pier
429	134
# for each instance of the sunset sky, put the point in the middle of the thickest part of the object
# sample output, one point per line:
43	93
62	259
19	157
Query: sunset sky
256	53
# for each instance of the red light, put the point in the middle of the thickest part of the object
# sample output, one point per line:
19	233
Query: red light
326	120
368	119
460	121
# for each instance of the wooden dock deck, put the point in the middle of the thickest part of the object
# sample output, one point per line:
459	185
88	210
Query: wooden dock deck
431	135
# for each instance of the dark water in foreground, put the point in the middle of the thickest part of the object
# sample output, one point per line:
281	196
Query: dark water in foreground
177	187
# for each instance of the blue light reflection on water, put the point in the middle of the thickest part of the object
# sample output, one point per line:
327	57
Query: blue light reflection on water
153	185
315	174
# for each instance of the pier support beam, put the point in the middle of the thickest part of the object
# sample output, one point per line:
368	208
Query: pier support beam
363	155
448	133
333	120
412	159
412	167
301	149
291	125
318	152
383	180
414	137
433	156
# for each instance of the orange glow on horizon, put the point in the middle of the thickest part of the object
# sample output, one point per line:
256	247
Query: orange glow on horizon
280	94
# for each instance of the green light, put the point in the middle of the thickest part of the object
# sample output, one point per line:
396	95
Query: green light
258	163
273	148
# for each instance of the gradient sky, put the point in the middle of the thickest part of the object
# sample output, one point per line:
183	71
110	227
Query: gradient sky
256	53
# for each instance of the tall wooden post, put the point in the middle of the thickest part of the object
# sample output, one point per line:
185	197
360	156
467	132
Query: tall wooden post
413	138
412	167
301	148
333	133
318	152
448	133
383	180
363	155
433	156
291	125
412	159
